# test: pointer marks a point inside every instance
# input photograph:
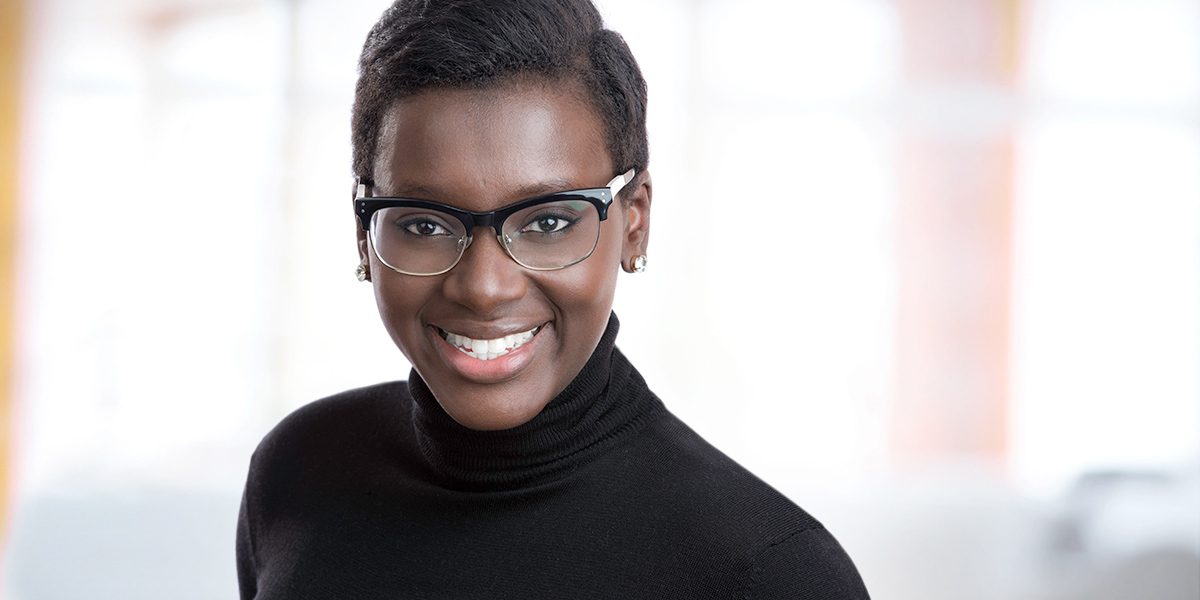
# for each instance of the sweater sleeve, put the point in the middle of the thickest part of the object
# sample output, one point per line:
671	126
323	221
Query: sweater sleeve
807	565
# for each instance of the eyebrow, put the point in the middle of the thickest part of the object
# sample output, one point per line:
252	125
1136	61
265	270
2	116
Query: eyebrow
530	191
546	187
418	191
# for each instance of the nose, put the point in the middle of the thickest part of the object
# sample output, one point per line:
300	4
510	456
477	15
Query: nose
485	278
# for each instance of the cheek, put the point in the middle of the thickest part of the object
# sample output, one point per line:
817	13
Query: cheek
399	304
590	290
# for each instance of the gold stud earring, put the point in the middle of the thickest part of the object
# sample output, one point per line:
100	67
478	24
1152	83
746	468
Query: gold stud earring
638	264
361	273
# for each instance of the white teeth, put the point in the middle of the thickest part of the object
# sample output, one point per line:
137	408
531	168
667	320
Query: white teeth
489	349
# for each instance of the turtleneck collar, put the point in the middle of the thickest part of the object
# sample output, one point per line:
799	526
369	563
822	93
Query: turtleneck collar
607	401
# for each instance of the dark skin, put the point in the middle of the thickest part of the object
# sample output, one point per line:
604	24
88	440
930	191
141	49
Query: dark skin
481	150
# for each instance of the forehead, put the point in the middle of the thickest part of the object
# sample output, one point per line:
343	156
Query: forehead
482	149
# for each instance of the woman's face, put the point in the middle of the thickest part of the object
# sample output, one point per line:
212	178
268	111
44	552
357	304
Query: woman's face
481	150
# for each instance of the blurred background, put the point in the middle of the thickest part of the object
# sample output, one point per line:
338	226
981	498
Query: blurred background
929	267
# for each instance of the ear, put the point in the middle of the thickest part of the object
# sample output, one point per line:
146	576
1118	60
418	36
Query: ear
637	220
364	257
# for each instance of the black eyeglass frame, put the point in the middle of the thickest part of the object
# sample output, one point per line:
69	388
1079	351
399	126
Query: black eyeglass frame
365	208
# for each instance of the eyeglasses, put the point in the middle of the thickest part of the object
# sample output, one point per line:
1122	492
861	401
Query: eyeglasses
421	237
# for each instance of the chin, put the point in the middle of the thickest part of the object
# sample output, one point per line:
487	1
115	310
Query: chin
491	414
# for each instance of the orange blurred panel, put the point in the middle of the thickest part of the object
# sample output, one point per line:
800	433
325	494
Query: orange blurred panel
960	40
955	185
955	248
10	63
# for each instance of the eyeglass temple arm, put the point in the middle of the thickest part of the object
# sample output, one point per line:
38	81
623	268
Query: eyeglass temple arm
620	181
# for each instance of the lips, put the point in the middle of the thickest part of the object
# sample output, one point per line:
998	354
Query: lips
488	349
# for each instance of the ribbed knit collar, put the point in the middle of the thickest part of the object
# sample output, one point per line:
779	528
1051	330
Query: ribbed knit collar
606	402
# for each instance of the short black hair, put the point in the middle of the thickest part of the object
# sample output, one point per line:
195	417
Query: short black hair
475	44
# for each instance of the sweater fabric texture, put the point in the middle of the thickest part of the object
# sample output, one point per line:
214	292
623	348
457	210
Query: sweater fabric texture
378	493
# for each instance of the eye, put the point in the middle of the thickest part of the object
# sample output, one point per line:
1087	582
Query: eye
422	227
548	223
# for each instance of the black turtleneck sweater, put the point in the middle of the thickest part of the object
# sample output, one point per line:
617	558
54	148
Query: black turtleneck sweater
378	493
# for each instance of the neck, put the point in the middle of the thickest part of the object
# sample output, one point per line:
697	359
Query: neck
605	402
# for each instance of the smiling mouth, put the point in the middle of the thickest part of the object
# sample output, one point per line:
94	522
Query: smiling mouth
488	349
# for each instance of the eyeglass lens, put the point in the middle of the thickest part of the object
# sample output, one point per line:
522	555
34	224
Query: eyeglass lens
424	241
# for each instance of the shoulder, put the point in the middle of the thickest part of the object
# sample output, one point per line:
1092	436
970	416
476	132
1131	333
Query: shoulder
808	564
339	426
777	549
693	471
346	409
315	458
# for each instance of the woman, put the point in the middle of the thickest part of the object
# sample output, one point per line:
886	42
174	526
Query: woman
500	149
